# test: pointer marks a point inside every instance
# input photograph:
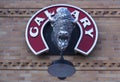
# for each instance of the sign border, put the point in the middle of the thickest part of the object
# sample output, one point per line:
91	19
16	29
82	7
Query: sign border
47	48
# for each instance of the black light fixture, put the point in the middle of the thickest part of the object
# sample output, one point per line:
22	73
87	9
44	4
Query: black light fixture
61	68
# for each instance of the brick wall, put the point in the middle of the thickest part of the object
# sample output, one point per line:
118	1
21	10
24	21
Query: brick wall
19	64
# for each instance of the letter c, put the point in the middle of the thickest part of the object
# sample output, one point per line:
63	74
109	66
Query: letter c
34	34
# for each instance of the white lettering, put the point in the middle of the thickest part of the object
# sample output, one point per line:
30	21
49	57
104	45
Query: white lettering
38	20
89	32
85	22
34	34
75	14
48	14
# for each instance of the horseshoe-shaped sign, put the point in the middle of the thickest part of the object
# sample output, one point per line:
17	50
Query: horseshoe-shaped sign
34	30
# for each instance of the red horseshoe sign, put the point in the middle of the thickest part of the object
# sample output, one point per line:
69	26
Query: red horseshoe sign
34	30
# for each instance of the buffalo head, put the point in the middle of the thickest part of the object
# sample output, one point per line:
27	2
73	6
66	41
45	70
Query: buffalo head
63	24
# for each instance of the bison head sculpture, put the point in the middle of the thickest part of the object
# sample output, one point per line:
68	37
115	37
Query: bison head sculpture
63	24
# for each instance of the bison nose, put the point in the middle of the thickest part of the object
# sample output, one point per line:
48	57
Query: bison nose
63	33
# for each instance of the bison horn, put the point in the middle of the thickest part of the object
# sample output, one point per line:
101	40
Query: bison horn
75	21
51	19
